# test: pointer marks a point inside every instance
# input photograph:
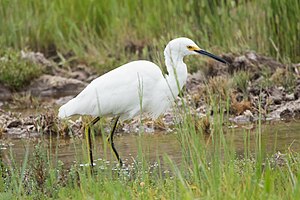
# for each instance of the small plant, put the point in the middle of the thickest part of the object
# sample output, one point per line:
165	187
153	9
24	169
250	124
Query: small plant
102	30
25	101
218	89
16	72
241	82
264	81
238	107
284	77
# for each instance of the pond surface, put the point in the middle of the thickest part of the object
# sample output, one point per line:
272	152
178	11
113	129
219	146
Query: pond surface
279	136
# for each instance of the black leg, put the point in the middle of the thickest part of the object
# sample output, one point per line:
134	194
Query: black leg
110	139
90	145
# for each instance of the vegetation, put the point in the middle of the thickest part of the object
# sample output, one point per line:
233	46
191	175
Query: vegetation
210	168
16	72
108	33
112	32
241	81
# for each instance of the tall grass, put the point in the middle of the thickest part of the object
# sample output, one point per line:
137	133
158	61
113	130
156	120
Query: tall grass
210	168
105	30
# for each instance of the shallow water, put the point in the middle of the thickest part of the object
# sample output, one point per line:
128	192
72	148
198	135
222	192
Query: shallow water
279	136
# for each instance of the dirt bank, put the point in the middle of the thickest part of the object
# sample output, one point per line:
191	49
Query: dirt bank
252	84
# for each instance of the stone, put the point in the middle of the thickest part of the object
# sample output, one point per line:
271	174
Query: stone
289	97
276	95
286	114
5	93
55	86
14	123
288	110
36	57
245	118
297	89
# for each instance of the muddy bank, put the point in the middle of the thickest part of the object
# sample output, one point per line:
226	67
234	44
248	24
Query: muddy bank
253	85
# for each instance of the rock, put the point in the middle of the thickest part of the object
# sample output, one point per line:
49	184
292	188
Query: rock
254	63
17	132
289	97
240	63
297	89
241	119
168	118
276	94
247	117
14	123
252	56
194	80
36	57
260	61
278	159
286	114
288	110
5	93
254	90
79	75
216	69
297	114
83	73
64	100
55	86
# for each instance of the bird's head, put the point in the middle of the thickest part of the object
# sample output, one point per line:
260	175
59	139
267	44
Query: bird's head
185	46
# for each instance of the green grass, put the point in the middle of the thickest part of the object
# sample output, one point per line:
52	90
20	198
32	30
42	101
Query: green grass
241	82
211	168
108	33
16	72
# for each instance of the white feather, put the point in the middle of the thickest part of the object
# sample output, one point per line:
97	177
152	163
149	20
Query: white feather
135	87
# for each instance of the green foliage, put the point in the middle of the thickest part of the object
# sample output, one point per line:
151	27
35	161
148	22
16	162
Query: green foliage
113	31
284	77
217	90
16	72
107	34
241	82
265	81
210	168
283	27
101	30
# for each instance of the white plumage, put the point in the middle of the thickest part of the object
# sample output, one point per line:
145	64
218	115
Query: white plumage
136	86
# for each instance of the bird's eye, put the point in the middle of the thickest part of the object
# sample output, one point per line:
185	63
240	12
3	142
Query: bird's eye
190	47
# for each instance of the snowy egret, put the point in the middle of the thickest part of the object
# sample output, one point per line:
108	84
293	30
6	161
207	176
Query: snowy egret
134	88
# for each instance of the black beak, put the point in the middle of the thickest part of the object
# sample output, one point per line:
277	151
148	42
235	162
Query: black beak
203	52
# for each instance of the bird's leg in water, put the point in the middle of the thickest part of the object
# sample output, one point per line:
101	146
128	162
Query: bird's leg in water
90	145
110	139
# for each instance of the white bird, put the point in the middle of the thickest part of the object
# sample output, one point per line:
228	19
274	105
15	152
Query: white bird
134	88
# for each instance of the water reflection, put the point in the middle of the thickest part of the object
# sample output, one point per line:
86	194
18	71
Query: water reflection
275	137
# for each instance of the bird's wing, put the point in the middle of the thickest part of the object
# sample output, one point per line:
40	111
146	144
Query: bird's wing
117	92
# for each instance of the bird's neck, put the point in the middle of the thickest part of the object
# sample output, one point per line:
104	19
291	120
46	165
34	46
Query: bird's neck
177	72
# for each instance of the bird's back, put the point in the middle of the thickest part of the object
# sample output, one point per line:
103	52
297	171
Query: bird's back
118	92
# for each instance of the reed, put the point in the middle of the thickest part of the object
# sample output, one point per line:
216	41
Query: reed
107	33
211	167
102	30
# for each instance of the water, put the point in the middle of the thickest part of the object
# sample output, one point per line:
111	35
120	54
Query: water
279	136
